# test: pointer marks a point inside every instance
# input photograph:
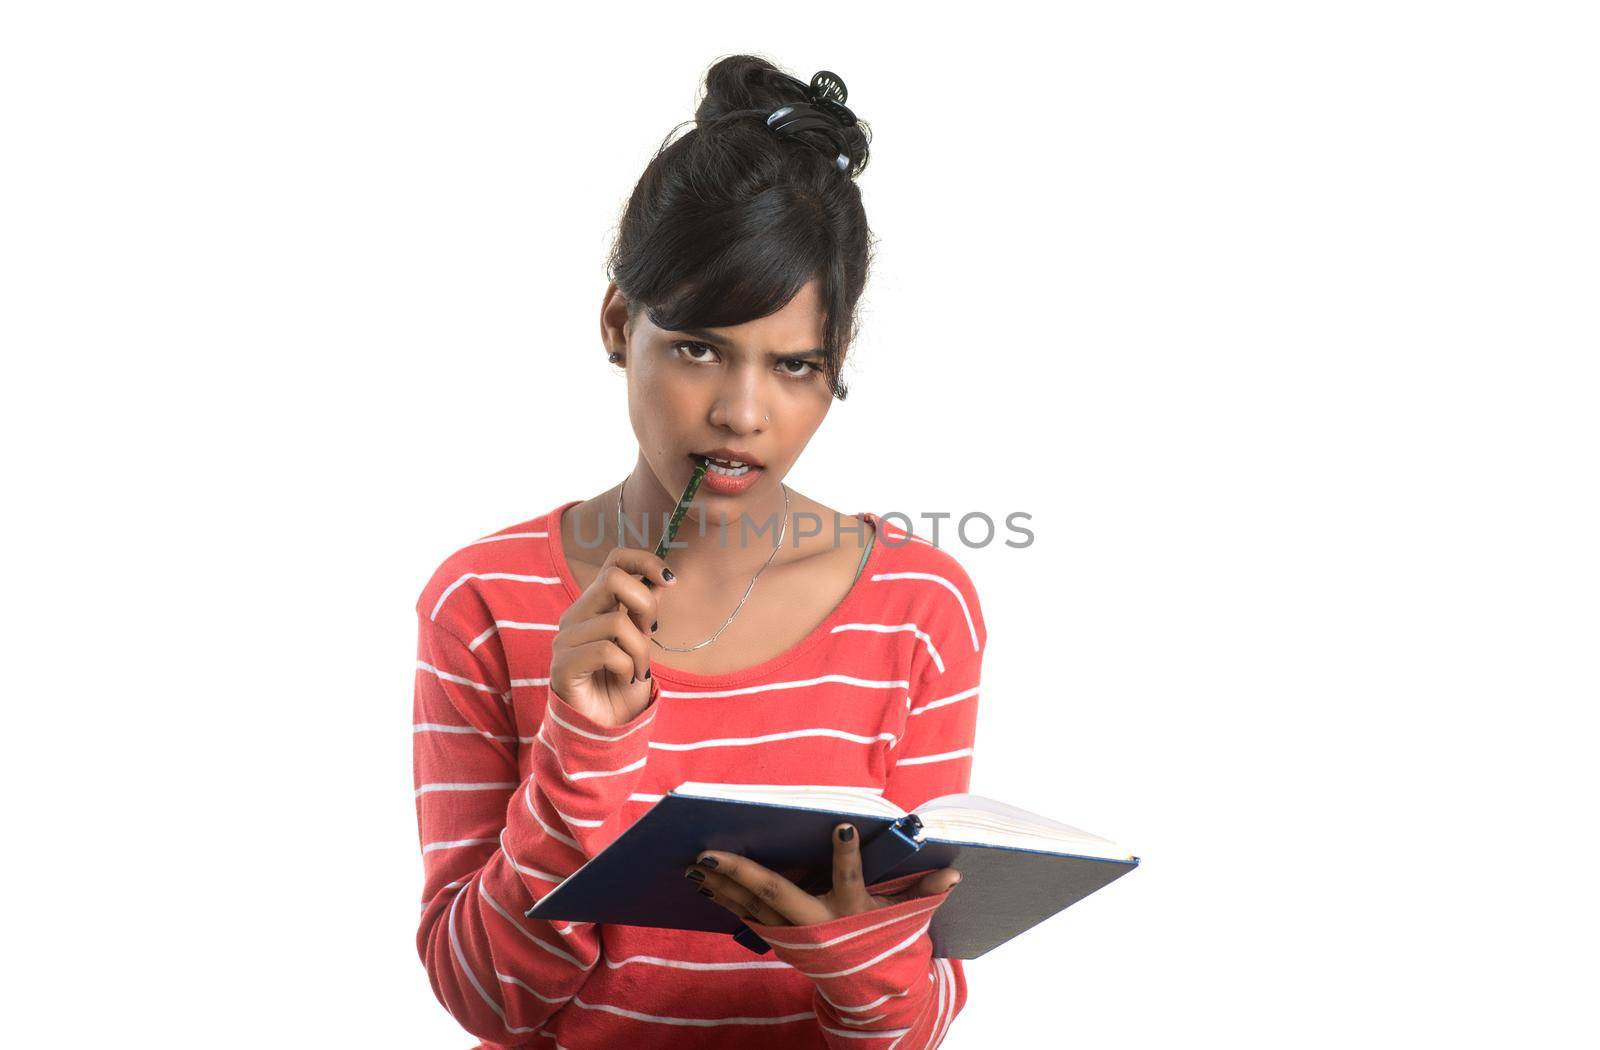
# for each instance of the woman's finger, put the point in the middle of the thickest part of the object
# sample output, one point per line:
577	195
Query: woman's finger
736	898
849	891
936	882
618	628
639	562
614	588
793	904
930	885
590	657
635	562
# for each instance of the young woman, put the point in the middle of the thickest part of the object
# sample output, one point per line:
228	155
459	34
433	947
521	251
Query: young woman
558	696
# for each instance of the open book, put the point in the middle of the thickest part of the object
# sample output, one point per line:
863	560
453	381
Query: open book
1017	868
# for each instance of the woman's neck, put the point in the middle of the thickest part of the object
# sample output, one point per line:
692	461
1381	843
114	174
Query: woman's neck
710	545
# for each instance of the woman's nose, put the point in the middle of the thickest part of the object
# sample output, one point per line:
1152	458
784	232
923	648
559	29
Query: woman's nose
742	410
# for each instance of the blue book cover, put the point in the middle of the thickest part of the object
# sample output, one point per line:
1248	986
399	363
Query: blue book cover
1017	868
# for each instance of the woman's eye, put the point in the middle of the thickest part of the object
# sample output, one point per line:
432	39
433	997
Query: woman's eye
681	347
690	351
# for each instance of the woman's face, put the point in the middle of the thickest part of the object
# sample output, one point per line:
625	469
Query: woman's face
755	388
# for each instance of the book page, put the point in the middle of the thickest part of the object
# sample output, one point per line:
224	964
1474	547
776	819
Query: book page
844	797
980	819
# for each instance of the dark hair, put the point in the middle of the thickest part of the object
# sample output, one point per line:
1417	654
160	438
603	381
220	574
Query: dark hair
729	221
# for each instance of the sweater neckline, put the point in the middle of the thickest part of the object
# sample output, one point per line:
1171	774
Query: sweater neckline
841	612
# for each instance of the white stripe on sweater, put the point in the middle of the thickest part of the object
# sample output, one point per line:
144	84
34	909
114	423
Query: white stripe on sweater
587	774
518	577
455	844
607	737
546	876
887	628
509	536
946	757
446	676
574	822
684	964
879	1001
439	727
902	946
424	789
896	1032
935	1034
483	891
931	704
509	625
792	734
946	584
461	961
853	934
508	979
842	679
947	978
527	798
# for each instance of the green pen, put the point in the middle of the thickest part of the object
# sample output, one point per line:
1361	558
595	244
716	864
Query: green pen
680	510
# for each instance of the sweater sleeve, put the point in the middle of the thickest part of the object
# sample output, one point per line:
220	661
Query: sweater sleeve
494	842
874	972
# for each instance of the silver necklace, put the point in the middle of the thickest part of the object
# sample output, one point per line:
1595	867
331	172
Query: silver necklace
782	533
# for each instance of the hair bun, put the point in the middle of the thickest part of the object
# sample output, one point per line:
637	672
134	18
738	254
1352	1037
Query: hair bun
740	86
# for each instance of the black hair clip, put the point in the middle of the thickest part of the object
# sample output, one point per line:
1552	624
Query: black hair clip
825	112
827	92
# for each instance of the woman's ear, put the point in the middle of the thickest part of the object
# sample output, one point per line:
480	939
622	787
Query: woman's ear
614	324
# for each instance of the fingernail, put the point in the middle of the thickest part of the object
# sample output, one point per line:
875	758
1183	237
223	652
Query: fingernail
698	876
654	625
707	862
647	674
668	574
847	834
706	893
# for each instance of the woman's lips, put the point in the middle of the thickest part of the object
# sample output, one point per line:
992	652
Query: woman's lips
724	485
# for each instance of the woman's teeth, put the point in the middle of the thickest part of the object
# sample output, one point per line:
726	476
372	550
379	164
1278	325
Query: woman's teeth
717	466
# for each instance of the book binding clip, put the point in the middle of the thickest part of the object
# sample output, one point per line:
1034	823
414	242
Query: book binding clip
882	853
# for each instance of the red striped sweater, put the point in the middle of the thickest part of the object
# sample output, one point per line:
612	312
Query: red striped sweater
515	789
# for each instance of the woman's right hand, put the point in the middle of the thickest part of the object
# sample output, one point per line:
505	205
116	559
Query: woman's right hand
600	659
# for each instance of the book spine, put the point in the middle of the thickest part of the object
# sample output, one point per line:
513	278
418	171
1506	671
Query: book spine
887	849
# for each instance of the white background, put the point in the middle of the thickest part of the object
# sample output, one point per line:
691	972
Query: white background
1280	320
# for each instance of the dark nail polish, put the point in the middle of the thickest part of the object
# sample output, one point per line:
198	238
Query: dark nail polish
847	834
668	575
698	876
709	862
704	892
654	625
647	674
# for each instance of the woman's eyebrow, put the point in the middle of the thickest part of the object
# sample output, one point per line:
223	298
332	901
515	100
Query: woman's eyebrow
710	337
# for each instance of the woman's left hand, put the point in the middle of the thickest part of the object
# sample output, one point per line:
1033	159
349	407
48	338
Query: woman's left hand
755	893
